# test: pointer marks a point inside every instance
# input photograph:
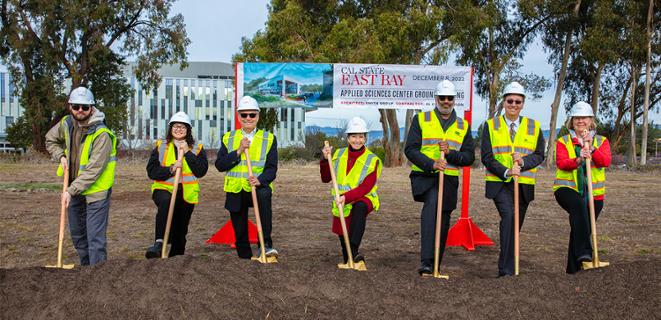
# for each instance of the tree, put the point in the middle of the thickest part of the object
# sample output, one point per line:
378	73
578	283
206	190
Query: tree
648	76
361	31
491	35
44	42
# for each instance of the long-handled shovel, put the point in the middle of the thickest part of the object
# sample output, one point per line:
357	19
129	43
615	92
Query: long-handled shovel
63	221
516	225
595	263
173	200
262	252
360	265
437	237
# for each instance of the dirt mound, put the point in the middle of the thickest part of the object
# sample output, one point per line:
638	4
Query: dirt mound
203	288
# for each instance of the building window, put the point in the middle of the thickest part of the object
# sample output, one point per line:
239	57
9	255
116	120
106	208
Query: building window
9	121
2	87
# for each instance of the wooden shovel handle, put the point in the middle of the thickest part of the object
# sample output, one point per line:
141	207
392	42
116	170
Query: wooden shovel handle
345	234
173	199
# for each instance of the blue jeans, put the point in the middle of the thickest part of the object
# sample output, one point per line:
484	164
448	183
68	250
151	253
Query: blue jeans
88	223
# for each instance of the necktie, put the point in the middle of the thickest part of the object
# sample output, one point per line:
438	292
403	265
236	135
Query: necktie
512	131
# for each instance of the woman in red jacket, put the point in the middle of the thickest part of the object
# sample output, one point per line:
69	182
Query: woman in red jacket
357	170
582	144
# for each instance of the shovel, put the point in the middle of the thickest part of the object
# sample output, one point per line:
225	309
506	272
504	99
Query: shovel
360	265
437	237
173	199
595	263
516	225
63	221
262	258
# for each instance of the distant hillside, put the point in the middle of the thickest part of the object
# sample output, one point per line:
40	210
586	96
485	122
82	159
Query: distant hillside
378	134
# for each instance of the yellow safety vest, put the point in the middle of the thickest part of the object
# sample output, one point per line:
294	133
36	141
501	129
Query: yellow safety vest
167	157
569	179
432	133
107	178
236	179
525	143
364	166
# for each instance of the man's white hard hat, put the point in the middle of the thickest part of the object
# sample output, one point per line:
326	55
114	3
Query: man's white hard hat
248	103
445	88
81	95
514	88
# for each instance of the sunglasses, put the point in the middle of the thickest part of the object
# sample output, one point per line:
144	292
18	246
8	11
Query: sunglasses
245	115
512	101
443	98
77	107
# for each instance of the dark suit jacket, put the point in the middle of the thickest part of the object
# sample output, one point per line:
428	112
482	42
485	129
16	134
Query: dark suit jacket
529	162
421	182
226	160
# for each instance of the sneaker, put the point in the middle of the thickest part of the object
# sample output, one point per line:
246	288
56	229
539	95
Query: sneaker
425	268
271	252
154	251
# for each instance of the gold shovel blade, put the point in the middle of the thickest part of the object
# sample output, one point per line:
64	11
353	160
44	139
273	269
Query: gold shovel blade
437	276
266	259
64	266
591	265
360	266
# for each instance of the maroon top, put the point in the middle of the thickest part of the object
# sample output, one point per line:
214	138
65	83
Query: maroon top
356	194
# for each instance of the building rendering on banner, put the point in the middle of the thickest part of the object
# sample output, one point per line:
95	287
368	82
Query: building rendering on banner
204	90
280	86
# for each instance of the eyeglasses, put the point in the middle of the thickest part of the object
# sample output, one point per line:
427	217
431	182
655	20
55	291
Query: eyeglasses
512	101
245	115
77	107
179	127
443	98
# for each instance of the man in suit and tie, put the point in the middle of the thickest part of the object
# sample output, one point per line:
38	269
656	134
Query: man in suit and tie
511	145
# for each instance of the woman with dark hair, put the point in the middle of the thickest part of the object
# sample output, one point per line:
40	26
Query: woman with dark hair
570	188
161	168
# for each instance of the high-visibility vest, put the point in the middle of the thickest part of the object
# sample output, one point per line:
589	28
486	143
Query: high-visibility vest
167	157
236	179
525	143
364	166
107	177
432	133
569	179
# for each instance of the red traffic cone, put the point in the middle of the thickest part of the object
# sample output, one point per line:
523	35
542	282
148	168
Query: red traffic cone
225	235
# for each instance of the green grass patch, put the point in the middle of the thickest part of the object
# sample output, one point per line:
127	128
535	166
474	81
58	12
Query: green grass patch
31	186
644	251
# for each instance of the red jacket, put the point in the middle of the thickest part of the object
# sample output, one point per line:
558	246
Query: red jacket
356	194
601	158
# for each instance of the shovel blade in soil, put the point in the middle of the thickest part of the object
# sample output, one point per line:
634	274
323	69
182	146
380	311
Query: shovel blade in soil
265	259
64	266
591	265
360	266
437	276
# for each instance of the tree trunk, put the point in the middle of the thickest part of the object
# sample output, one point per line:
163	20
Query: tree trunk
648	79
550	147
493	94
621	110
595	89
632	122
407	125
391	143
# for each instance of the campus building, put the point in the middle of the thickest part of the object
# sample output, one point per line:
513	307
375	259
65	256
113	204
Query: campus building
204	90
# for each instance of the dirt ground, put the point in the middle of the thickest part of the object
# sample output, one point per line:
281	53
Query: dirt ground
210	282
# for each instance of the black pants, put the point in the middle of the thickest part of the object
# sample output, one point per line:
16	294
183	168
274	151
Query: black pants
356	229
180	219
428	227
504	201
579	221
240	220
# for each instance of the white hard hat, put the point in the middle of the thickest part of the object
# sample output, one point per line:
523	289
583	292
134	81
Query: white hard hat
514	88
581	109
445	88
81	95
356	125
248	103
181	117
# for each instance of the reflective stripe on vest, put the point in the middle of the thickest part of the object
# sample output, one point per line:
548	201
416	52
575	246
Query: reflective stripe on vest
167	157
364	165
502	146
433	133
236	179
569	179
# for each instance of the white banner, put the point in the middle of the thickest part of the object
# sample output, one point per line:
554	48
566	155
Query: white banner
387	86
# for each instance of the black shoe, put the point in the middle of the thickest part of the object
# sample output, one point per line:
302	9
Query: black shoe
425	268
585	258
154	251
359	257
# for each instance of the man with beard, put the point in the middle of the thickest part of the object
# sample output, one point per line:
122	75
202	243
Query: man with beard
432	132
83	144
